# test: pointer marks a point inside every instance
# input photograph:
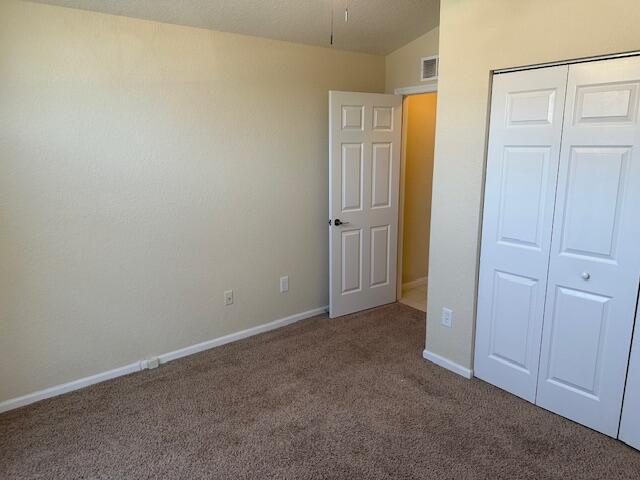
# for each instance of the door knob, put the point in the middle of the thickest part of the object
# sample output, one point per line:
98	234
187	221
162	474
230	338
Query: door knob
339	222
586	275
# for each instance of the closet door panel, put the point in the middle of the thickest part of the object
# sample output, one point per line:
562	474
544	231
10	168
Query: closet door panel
630	423
522	163
594	266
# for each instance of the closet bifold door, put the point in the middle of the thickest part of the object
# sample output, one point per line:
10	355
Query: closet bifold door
595	256
522	163
630	422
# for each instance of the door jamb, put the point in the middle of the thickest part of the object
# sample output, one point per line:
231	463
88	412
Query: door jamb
405	92
418	89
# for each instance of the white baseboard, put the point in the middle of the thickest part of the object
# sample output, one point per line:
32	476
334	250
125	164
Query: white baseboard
415	283
18	402
54	391
249	332
448	364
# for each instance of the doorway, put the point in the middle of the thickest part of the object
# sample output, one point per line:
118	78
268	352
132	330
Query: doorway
418	132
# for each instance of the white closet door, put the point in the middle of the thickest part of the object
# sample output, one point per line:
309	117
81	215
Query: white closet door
522	164
595	252
630	423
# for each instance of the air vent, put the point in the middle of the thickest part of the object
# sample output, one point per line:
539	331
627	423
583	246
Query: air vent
429	68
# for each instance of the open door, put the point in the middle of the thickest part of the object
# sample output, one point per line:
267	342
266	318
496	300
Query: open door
364	172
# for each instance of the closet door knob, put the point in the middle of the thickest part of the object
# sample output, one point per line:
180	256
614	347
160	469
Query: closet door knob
586	275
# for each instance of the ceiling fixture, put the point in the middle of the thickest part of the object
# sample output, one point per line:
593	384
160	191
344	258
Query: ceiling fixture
346	17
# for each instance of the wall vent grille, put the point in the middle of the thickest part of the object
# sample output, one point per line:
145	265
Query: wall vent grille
429	68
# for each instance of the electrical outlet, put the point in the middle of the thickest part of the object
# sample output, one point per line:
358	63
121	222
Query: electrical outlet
447	317
228	297
284	284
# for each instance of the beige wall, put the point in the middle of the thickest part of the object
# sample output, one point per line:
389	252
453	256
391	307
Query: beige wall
420	137
402	67
477	36
144	169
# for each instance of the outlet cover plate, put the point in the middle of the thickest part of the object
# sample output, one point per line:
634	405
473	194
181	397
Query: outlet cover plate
447	317
284	284
228	297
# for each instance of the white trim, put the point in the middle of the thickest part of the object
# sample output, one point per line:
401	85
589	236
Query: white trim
233	337
401	195
417	89
567	62
448	364
54	391
18	402
415	283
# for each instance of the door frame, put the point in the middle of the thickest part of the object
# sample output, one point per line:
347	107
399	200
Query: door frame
431	87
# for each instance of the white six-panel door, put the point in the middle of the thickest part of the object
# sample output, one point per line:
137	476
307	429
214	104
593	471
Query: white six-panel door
522	163
594	266
364	171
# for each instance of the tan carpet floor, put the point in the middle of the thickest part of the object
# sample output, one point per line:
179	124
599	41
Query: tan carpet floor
349	398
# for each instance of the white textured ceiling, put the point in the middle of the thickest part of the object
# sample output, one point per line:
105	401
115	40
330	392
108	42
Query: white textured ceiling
375	26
